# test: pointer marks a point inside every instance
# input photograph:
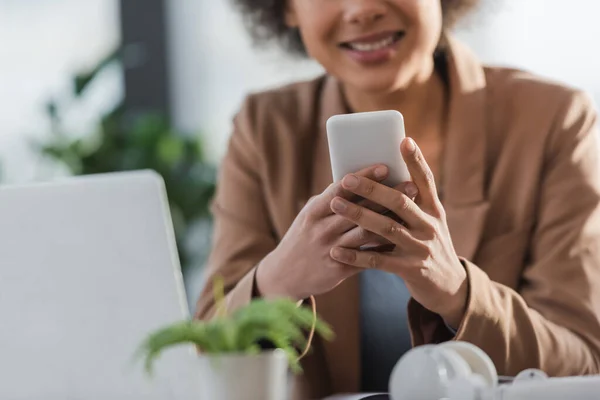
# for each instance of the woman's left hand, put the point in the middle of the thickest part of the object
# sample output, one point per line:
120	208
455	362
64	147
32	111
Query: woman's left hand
424	256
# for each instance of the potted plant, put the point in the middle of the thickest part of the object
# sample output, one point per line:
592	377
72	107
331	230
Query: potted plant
233	362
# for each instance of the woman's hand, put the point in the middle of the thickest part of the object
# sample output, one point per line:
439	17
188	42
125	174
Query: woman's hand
301	265
424	256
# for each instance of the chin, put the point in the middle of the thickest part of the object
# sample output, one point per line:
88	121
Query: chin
376	83
386	78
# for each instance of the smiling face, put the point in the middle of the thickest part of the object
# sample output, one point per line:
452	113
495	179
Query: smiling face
372	45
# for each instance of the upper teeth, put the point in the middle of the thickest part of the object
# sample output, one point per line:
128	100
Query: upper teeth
373	45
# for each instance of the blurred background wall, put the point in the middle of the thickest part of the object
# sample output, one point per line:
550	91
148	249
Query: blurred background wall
42	44
192	61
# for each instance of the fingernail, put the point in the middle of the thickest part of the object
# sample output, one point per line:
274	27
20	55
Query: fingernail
351	181
380	172
338	254
411	190
411	145
338	205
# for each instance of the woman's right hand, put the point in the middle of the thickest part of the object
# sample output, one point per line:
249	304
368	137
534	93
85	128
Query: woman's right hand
301	264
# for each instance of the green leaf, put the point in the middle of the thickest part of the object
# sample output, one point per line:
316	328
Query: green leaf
170	149
83	80
280	322
180	333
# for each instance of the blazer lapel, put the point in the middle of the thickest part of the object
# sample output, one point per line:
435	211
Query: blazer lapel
464	165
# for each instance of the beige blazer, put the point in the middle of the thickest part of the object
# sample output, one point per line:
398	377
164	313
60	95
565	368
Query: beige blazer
522	196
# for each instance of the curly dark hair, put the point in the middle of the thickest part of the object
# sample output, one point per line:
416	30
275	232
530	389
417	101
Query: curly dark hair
265	20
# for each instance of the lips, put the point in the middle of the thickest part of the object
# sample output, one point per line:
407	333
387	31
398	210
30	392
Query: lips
373	42
373	49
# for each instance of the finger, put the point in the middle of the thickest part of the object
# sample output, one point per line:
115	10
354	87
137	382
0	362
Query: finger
337	225
373	222
393	200
342	225
320	206
366	259
359	237
408	188
420	172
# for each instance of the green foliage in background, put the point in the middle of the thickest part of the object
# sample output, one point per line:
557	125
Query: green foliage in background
125	142
280	322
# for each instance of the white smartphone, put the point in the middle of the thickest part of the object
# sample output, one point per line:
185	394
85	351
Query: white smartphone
360	140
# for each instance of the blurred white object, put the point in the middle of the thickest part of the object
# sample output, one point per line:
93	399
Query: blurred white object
361	396
88	267
241	376
462	371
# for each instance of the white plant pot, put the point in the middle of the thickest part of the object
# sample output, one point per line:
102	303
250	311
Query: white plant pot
244	377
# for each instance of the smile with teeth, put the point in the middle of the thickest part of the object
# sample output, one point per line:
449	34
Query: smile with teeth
372	46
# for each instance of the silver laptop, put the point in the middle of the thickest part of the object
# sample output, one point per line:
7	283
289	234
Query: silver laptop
88	266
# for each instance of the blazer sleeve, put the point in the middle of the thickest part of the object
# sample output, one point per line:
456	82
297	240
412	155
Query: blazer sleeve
553	321
243	233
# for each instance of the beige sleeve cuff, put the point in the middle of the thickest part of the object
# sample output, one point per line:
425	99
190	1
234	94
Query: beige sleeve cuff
241	294
427	327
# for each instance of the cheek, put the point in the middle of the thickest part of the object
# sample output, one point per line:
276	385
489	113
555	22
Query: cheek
429	17
317	22
314	38
423	19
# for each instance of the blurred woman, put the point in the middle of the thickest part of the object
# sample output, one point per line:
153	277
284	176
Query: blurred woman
501	245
